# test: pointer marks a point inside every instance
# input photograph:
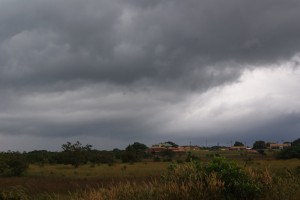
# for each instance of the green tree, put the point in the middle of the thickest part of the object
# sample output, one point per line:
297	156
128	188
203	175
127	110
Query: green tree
76	147
75	154
135	152
139	147
259	144
172	144
237	143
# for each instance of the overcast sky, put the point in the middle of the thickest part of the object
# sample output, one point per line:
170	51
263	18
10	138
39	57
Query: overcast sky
112	72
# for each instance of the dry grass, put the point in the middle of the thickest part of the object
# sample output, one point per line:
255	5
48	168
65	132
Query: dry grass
142	181
103	171
63	179
188	186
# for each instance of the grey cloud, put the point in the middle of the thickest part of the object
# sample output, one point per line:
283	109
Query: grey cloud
125	41
127	68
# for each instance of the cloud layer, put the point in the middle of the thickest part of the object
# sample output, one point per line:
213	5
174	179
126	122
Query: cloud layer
126	70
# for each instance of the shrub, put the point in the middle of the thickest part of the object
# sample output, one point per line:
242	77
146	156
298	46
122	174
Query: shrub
12	164
222	178
290	152
238	183
190	157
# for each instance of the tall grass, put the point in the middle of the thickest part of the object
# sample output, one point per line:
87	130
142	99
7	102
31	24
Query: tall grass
220	179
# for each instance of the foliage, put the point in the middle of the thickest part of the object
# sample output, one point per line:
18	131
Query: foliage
290	152
12	164
75	154
135	152
75	147
41	157
68	157
191	181
230	181
139	146
96	156
167	154
237	143
173	144
190	157
221	179
259	144
238	184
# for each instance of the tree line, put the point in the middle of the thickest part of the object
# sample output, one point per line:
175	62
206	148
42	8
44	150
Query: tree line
75	154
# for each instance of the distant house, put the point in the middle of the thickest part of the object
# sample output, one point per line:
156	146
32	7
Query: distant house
165	146
190	148
156	149
279	146
177	149
237	148
251	151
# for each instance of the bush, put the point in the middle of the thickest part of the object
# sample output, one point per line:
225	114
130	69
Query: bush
190	157
221	179
12	164
290	152
238	183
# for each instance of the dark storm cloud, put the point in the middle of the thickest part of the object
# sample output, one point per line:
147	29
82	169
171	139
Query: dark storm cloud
124	41
127	68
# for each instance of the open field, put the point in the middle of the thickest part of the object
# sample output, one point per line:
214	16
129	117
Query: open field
139	170
65	178
60	180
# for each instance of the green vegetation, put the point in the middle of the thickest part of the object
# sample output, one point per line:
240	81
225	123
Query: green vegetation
75	154
80	172
12	164
259	144
237	143
172	144
217	179
135	153
291	152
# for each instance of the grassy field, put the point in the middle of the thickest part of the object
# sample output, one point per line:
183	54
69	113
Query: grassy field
63	179
60	180
140	170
